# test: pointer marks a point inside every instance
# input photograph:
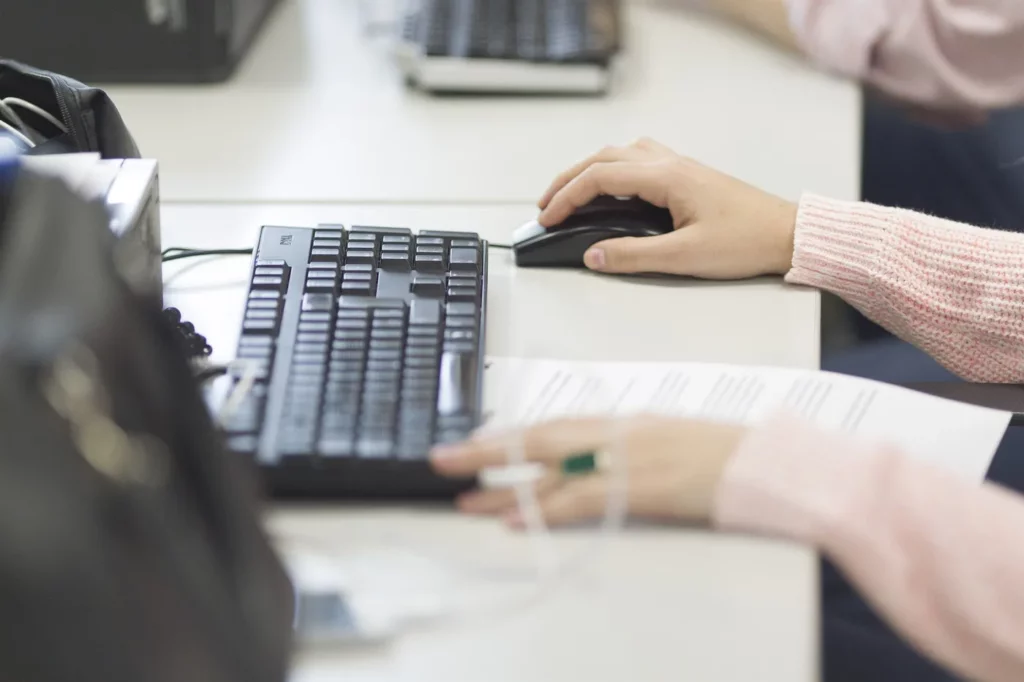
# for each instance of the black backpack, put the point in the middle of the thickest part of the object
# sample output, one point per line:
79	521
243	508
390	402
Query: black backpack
92	121
131	547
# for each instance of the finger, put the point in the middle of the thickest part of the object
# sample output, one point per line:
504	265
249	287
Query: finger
578	500
489	502
625	178
547	443
606	155
664	253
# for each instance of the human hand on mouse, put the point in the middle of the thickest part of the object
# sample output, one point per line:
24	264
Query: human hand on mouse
673	467
725	228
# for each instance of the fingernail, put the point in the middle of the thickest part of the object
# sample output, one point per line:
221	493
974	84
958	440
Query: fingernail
594	259
445	453
514	519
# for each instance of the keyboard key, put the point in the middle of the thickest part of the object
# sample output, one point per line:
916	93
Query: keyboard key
336	445
459	335
350	335
262	341
311	347
257	326
430	250
457	383
261	315
461	308
398	262
318	266
321	274
426	285
320	285
325	255
423	330
465	243
268	272
459	347
326	243
397	239
327	234
271	263
319	301
423	240
429	263
353	313
414	361
262	304
421	342
461	293
367	256
264	294
460	322
350	288
388	365
312	337
314	327
417	352
389	247
357	267
450	235
268	282
377	344
386	334
362	229
384	354
376	446
352	323
314	317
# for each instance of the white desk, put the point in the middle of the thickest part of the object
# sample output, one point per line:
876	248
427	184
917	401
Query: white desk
660	604
319	114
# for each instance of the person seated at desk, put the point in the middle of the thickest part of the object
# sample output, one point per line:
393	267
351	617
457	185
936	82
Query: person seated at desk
941	558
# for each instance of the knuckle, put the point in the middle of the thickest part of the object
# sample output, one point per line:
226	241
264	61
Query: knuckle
643	142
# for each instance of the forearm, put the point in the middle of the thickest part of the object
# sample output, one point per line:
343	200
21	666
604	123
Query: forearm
956	292
767	17
938	556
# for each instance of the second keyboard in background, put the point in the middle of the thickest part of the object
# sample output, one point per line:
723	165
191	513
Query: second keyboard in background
514	46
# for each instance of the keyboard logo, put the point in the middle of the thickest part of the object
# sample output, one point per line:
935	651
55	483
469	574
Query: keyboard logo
286	240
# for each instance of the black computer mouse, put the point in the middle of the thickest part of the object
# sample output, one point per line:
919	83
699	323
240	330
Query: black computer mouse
604	218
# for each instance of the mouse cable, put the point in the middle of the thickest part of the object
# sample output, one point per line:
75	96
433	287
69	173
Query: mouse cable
506	247
179	253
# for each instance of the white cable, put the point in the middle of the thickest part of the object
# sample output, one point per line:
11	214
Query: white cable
238	393
548	574
17	133
37	110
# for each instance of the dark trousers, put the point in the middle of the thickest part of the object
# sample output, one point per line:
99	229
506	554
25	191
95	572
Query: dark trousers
974	176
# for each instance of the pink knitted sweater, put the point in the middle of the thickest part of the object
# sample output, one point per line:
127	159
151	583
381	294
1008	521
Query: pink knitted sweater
942	558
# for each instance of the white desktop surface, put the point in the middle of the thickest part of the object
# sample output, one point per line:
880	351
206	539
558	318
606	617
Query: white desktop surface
319	112
658	603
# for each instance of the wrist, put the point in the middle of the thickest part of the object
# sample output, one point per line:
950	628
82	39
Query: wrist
784	219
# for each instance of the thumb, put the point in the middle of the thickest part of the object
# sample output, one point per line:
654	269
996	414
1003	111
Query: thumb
637	254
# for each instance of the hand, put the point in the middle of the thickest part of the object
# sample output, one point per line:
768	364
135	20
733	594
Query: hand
725	229
673	467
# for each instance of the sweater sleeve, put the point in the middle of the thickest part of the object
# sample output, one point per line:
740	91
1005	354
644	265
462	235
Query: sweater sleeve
945	55
941	558
956	292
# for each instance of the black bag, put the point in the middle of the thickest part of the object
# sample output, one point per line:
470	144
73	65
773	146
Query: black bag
131	549
92	121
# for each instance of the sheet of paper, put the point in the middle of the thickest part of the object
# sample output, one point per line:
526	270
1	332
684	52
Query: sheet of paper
959	437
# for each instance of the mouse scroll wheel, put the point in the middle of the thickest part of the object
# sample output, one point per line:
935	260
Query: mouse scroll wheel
528	231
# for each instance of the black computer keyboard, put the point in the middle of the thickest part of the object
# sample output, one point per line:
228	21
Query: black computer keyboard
367	345
562	31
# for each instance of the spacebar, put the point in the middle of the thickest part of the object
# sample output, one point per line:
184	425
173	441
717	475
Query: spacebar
457	384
